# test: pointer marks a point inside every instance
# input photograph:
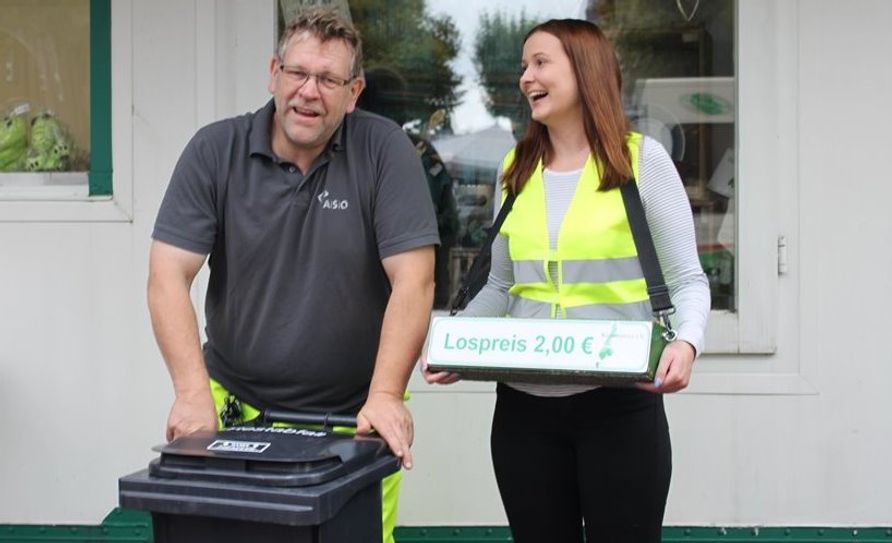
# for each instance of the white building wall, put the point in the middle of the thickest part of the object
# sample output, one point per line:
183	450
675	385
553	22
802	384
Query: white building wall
84	393
82	387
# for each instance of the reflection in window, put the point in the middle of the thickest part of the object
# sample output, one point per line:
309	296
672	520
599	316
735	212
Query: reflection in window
678	75
44	89
448	73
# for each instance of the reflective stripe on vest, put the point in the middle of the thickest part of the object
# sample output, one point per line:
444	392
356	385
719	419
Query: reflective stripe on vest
531	309
598	272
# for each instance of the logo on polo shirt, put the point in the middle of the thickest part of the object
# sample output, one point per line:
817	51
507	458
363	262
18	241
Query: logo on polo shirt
332	203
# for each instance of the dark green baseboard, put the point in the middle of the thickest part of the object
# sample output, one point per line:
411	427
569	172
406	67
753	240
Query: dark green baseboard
479	534
123	525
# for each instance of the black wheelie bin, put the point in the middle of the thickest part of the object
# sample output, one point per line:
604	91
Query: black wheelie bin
265	484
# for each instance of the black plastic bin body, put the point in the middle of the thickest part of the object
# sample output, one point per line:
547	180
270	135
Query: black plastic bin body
264	485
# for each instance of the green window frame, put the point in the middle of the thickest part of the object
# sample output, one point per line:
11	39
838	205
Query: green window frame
100	174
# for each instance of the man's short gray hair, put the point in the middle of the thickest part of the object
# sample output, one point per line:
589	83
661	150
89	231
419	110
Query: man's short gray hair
325	24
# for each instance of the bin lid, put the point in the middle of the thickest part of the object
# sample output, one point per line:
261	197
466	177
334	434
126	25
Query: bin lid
267	456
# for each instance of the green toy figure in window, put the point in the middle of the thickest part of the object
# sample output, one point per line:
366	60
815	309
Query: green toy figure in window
51	148
13	142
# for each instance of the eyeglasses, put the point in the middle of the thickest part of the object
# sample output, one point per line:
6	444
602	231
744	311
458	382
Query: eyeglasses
299	77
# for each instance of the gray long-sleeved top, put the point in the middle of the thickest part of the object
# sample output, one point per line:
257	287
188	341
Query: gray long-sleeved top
671	224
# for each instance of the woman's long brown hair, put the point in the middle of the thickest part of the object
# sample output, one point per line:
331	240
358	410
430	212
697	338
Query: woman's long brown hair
599	79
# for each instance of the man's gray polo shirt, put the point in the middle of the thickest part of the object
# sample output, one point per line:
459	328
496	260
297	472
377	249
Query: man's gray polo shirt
297	292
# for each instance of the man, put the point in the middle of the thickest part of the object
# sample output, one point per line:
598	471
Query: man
320	232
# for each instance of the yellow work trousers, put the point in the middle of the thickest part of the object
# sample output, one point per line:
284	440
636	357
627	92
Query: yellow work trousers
390	486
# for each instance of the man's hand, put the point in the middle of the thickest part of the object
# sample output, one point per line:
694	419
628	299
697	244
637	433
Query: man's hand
387	414
191	413
171	272
674	370
411	276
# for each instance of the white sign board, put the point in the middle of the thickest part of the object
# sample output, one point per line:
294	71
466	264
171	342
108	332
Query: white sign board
618	347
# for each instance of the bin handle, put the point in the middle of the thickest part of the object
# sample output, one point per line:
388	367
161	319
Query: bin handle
326	420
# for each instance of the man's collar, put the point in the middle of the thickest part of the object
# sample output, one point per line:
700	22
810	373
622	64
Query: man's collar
336	143
260	139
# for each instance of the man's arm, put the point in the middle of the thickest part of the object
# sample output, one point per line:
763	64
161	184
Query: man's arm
171	272
406	319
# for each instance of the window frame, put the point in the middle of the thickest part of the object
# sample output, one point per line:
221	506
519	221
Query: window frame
108	197
763	337
760	124
755	349
100	175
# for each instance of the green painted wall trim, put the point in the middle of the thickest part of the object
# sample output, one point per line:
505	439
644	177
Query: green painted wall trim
493	534
465	534
779	534
122	525
100	98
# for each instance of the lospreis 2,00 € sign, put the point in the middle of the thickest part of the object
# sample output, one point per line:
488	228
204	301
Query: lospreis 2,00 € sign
562	350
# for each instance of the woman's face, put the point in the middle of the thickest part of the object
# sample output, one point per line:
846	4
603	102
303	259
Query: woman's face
549	82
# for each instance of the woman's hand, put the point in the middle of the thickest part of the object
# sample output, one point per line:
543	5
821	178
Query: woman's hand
674	370
437	378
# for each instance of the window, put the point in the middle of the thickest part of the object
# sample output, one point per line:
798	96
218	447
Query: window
678	73
55	96
447	72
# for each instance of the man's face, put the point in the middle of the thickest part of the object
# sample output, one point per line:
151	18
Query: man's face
308	113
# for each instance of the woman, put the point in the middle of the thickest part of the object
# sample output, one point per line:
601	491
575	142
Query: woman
572	459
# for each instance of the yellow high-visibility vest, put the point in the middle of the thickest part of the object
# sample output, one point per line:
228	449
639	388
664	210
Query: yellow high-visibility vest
598	272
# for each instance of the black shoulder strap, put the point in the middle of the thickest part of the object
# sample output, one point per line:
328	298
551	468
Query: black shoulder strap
482	259
647	255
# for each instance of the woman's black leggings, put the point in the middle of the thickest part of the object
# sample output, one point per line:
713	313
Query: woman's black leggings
596	463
